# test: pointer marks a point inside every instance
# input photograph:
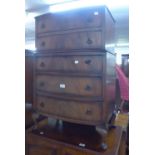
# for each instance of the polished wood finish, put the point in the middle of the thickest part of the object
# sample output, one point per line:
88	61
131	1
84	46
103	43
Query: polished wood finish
123	146
74	67
79	29
61	138
29	76
85	112
77	40
64	20
28	115
86	86
29	121
73	85
35	150
70	63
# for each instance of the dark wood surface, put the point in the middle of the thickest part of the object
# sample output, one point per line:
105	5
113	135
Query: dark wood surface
69	20
73	85
28	115
69	63
85	112
29	76
77	40
29	120
79	29
63	88
74	66
64	138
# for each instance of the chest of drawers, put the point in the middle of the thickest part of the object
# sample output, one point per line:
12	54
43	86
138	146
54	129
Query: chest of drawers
74	75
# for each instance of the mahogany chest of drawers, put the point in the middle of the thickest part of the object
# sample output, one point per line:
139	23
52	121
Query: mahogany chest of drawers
74	74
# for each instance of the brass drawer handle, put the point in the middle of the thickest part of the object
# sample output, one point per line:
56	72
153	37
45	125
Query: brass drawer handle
89	112
42	64
88	88
42	84
89	41
42	104
87	62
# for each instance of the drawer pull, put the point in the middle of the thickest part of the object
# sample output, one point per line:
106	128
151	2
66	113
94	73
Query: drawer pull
43	43
88	88
42	84
62	85
87	62
89	41
42	26
42	104
88	112
42	64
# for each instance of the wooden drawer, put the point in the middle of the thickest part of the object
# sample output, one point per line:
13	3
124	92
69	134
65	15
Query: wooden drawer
72	63
72	40
72	85
75	19
64	109
39	150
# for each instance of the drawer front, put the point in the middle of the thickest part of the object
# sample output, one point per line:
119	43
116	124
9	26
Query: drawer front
72	20
39	150
78	40
72	85
70	63
69	109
